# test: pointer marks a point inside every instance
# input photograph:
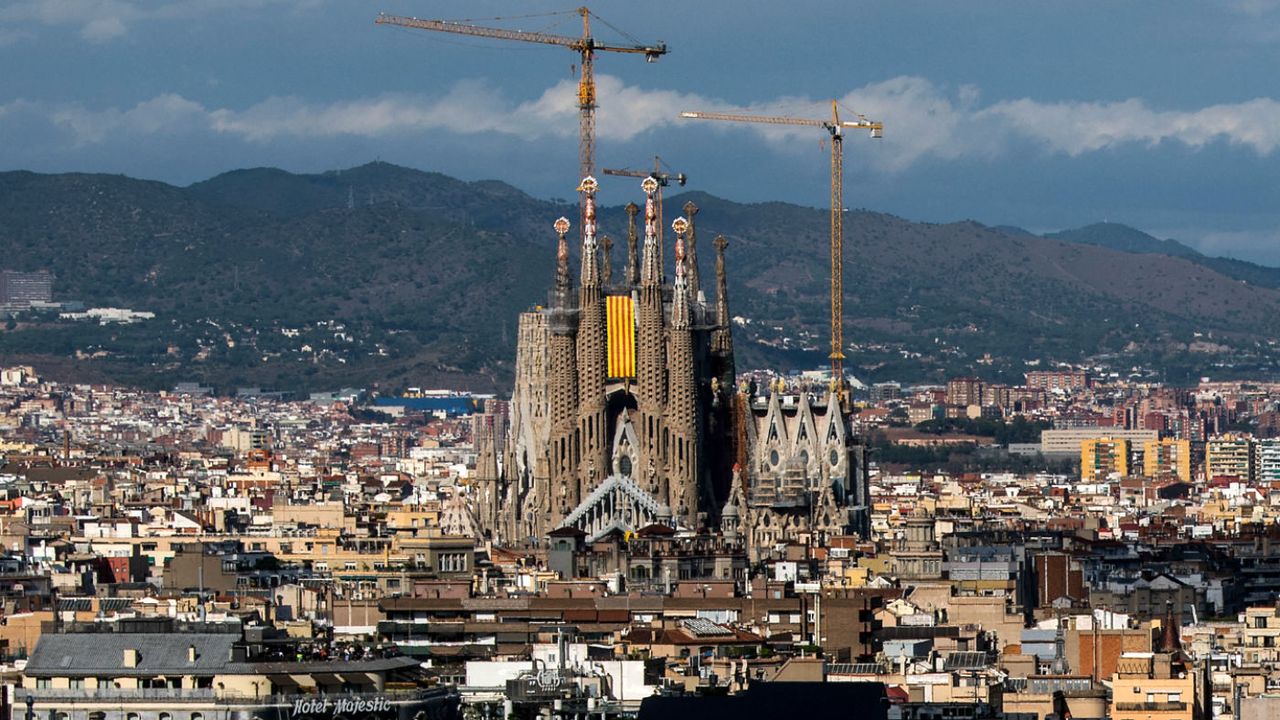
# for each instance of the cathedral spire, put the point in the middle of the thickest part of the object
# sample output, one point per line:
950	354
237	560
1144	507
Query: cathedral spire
651	276
682	383
606	272
592	437
721	340
680	299
691	254
590	263
564	281
632	276
651	351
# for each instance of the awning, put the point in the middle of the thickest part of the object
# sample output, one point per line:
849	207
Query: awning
327	679
283	680
362	679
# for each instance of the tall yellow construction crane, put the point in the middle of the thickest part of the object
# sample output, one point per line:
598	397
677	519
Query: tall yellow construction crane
657	173
586	46
836	127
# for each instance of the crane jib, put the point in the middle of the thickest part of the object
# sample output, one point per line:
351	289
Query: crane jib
585	44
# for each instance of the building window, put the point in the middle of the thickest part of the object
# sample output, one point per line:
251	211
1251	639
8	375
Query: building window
76	683
42	683
452	562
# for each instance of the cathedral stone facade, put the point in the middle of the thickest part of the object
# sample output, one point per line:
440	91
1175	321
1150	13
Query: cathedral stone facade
625	411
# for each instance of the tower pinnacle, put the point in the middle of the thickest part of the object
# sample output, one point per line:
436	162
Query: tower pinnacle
652	273
564	281
606	272
590	263
632	275
680	299
721	339
691	253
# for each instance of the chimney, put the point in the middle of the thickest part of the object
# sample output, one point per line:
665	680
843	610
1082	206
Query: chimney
131	657
1170	640
1162	667
191	654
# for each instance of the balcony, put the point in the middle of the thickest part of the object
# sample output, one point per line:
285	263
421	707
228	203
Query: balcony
203	695
1151	707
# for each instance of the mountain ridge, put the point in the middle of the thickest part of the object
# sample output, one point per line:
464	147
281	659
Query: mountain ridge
388	275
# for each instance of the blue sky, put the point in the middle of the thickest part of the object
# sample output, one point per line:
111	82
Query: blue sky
1163	115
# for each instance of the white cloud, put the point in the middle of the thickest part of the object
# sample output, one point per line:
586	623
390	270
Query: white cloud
1080	127
162	115
469	107
97	20
922	120
103	28
104	20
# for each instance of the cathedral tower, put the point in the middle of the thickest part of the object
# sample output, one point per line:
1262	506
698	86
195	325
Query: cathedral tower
651	351
563	360
682	411
591	358
625	411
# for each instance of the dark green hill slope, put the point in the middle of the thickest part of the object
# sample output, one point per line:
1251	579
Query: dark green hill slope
261	277
1122	237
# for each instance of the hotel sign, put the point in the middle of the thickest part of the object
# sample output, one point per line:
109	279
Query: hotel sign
334	707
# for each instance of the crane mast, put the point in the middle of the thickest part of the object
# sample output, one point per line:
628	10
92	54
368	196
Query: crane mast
586	46
835	127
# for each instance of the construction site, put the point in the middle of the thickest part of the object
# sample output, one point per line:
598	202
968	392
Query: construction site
627	411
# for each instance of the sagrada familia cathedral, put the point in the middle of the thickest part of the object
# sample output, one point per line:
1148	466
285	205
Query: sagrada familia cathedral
626	413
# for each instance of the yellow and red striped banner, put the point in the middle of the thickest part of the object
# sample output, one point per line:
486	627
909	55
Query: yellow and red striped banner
621	318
